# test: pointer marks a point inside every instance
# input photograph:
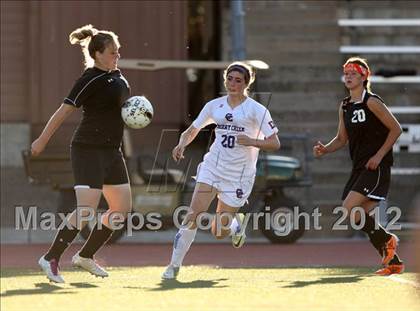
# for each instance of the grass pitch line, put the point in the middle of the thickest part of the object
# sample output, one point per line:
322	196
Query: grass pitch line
403	281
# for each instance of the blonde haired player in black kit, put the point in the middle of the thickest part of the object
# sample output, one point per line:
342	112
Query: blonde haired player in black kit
243	127
98	164
370	129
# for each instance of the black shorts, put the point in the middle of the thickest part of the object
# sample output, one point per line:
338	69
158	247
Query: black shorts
94	167
373	184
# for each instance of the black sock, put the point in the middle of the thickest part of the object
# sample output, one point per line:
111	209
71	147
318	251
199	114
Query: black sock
62	240
96	240
378	247
396	260
377	236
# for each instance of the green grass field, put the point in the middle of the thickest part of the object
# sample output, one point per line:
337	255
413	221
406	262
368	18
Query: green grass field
210	288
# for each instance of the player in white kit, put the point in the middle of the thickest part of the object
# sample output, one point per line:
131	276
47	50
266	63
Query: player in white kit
243	127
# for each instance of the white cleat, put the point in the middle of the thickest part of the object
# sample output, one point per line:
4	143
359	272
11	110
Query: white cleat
89	265
170	273
51	269
238	237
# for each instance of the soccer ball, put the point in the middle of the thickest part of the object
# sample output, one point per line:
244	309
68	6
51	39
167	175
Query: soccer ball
137	112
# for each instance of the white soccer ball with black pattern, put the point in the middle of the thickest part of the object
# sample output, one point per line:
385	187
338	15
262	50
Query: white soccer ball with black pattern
137	112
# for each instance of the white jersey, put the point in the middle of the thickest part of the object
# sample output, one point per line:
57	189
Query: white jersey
226	158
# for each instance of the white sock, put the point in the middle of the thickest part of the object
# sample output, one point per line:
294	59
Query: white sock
182	242
234	226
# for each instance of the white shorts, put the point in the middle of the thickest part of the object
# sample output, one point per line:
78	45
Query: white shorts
234	194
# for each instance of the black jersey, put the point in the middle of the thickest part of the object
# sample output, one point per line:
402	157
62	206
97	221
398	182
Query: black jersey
101	95
366	133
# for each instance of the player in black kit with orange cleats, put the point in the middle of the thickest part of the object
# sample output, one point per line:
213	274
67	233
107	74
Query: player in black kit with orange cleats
370	130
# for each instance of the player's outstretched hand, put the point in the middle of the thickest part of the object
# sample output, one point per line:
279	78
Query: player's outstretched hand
37	147
178	153
319	149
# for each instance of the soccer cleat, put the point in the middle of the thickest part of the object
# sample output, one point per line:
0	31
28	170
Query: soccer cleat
391	269
238	237
389	249
170	273
51	269
89	265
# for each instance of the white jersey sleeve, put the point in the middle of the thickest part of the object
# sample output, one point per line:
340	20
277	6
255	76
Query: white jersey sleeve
264	121
205	117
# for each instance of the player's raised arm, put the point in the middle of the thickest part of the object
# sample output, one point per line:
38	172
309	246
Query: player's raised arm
191	132
185	139
52	125
339	141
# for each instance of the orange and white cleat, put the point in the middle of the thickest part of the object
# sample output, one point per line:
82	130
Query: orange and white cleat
389	249
391	269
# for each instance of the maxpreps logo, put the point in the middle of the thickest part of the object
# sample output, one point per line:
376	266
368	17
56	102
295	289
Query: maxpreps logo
229	117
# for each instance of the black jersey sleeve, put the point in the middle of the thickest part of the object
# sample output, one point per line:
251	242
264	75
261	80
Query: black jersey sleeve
82	89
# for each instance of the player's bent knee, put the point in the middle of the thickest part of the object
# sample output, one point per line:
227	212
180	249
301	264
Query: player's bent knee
190	221
348	204
85	211
218	236
219	233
